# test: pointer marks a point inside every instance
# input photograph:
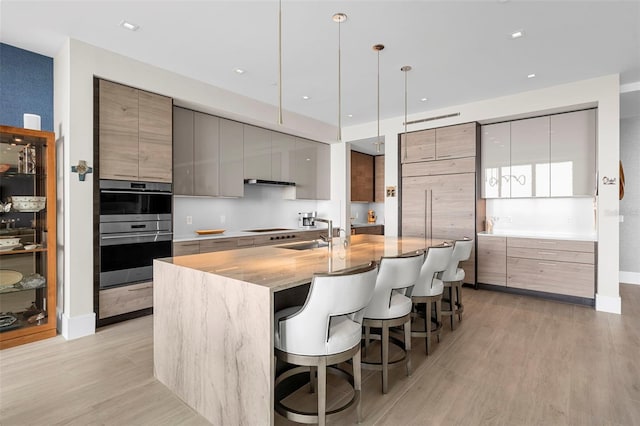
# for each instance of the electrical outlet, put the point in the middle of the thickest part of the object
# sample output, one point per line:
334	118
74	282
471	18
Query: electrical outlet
189	220
621	219
223	218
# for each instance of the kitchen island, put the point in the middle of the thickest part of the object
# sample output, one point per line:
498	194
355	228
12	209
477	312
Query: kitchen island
213	319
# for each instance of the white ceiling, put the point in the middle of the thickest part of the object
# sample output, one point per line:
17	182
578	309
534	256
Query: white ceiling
460	51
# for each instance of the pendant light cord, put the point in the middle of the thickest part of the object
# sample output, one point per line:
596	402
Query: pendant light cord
280	62
405	69
339	84
378	140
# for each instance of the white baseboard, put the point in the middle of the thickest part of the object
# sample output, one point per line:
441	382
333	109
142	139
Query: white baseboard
627	277
609	304
79	326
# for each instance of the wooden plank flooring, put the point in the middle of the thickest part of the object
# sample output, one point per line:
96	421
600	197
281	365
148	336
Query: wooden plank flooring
514	360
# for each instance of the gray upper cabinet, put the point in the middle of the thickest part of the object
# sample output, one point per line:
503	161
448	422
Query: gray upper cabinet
182	151
257	153
206	155
231	179
282	156
530	158
312	170
573	154
496	160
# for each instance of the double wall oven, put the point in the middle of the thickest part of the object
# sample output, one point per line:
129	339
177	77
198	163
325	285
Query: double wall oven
135	228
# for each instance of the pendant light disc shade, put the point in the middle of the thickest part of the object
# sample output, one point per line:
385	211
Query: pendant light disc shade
339	17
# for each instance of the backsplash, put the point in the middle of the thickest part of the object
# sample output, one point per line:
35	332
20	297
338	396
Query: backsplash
543	215
359	212
261	207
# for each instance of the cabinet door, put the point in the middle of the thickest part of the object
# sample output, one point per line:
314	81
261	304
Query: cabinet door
418	146
305	169
456	141
206	141
118	131
183	127
492	260
323	171
414	208
257	153
362	176
573	154
282	156
496	160
530	158
379	190
231	158
155	133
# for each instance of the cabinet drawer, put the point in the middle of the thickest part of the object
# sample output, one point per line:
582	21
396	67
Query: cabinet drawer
535	243
185	248
568	278
217	245
551	254
442	167
121	300
245	242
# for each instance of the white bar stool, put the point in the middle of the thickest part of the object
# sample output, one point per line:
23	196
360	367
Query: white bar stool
453	278
325	331
391	308
428	290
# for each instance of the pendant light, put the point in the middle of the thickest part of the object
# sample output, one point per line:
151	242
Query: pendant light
405	69
280	62
378	48
339	18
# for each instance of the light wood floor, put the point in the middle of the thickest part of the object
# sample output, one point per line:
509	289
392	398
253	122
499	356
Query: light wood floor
513	360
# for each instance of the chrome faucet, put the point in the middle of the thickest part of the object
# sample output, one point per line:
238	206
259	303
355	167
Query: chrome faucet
329	237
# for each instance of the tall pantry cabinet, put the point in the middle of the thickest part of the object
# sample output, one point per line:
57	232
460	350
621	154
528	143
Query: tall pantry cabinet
438	193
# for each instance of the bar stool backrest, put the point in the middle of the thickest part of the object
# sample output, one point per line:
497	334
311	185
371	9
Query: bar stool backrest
394	273
461	252
436	260
330	295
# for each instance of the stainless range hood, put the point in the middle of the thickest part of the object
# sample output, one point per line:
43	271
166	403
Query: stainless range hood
268	182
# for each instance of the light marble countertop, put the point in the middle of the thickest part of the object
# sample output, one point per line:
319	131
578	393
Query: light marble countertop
279	268
542	235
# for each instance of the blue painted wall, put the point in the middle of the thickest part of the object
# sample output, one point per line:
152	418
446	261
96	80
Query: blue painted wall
26	86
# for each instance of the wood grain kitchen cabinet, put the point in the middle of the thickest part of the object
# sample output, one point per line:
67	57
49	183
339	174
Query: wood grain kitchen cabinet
231	178
206	156
155	162
564	267
573	154
125	299
441	167
492	260
183	155
530	158
496	160
369	230
183	248
118	131
418	146
456	141
135	133
441	206
379	188
257	153
362	177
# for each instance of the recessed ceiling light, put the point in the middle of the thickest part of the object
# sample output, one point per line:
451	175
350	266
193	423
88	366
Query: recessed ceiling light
350	115
239	70
423	99
517	34
306	98
129	26
531	76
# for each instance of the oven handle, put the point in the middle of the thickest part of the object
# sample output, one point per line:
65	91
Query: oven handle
112	191
109	240
155	234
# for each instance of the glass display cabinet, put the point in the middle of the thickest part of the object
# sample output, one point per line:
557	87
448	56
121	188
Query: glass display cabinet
27	236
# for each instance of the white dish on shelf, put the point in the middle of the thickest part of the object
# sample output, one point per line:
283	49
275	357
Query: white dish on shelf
28	204
9	241
9	248
9	277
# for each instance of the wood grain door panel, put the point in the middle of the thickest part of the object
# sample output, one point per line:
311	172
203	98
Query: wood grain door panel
456	141
572	279
492	260
155	133
418	146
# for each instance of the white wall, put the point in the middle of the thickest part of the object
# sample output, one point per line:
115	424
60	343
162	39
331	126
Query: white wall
602	92
74	68
630	204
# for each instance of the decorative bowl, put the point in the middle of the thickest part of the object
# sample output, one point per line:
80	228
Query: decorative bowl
9	241
28	203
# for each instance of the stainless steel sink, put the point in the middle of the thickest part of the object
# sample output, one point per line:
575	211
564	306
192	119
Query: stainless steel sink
305	245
